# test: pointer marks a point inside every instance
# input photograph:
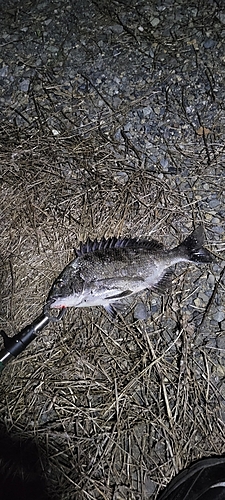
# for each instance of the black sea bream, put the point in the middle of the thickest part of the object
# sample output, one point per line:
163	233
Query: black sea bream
105	272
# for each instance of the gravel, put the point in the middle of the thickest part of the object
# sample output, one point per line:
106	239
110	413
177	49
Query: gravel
146	80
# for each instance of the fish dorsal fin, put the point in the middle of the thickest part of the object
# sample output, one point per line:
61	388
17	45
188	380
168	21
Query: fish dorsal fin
111	243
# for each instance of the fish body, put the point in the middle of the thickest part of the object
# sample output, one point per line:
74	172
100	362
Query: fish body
105	272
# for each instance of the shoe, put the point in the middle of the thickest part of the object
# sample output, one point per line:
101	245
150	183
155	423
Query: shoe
204	480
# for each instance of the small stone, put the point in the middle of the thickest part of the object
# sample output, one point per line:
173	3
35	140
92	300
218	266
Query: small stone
116	28
121	177
155	21
198	302
203	131
127	127
44	417
55	132
214	203
147	111
164	163
203	297
140	311
149	486
209	44
157	110
24	85
47	21
221	17
220	370
53	49
211	280
221	341
194	12
116	101
219	316
218	229
223	328
4	71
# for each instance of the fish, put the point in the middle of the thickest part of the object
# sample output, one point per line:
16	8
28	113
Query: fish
106	272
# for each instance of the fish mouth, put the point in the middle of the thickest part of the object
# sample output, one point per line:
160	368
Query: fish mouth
50	305
54	303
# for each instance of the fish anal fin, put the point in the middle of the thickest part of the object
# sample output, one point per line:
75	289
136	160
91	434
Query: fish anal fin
165	283
118	307
112	310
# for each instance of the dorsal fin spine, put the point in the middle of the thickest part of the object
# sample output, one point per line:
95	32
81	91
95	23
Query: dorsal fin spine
113	242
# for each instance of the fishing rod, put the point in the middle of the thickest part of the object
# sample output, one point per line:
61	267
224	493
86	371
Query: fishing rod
19	342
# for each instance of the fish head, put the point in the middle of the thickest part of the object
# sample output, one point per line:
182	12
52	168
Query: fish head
66	290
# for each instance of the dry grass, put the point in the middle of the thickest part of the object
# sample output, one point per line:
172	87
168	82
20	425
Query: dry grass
116	407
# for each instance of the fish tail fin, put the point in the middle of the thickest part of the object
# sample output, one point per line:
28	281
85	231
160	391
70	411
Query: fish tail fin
192	247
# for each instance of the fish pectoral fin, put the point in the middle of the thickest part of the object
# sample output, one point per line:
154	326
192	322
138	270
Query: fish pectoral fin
120	295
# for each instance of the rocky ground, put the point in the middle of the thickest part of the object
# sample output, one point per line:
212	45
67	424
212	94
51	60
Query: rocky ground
112	123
